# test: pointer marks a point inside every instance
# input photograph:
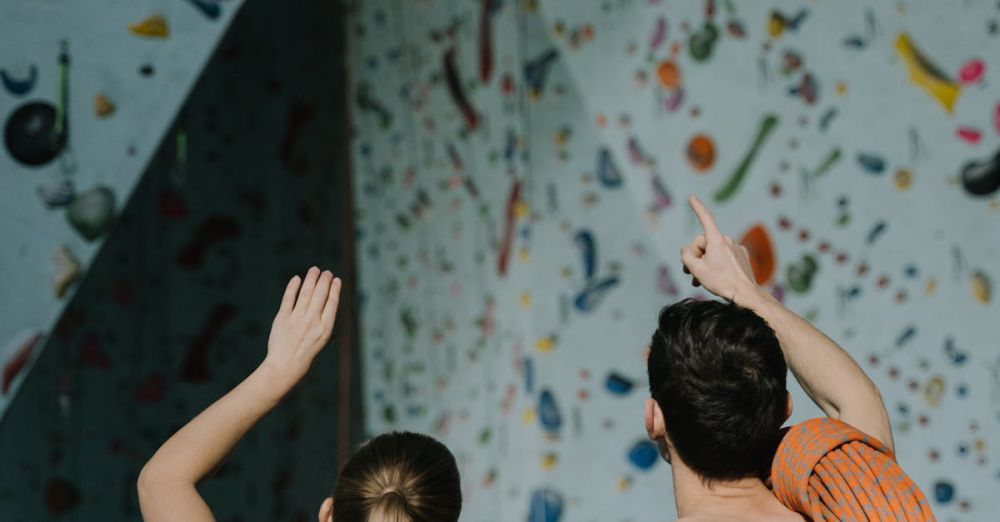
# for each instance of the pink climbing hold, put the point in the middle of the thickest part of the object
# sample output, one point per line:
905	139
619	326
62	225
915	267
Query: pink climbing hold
972	71
969	135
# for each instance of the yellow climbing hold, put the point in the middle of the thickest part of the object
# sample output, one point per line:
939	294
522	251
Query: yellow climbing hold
545	344
903	179
523	255
526	300
933	391
930	286
528	416
981	287
68	269
153	27
624	483
521	210
549	461
927	76
103	106
776	24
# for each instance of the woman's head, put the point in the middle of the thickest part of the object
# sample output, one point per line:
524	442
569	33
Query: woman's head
399	477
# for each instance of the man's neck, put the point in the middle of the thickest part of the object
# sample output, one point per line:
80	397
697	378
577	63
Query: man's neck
694	497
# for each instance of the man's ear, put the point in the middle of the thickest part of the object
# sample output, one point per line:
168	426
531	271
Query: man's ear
655	426
326	510
788	405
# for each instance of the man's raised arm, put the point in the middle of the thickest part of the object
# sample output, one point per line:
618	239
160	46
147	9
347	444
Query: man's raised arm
833	380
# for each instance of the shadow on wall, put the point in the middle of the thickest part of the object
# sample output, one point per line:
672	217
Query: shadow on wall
249	187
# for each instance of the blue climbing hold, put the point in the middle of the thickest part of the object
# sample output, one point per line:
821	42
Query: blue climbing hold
607	172
19	86
546	505
872	163
588	252
618	384
589	298
944	492
643	454
548	412
208	8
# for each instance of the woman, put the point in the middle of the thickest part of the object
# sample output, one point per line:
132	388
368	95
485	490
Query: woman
396	477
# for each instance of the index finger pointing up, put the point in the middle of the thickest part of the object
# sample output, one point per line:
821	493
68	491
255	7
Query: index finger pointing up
705	217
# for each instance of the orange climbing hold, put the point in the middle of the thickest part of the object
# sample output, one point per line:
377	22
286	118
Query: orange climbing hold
761	251
701	153
669	75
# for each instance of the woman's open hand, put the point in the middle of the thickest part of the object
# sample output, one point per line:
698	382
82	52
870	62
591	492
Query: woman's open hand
303	324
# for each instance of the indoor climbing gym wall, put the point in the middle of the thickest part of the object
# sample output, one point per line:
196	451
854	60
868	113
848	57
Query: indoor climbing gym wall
88	90
248	187
520	171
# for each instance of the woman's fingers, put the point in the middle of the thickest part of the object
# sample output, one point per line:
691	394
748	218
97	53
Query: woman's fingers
332	303
319	295
305	293
288	300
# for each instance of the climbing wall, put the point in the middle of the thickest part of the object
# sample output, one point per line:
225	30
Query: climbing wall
248	187
520	172
87	94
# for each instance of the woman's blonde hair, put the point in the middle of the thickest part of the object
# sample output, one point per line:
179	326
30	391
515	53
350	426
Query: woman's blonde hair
399	477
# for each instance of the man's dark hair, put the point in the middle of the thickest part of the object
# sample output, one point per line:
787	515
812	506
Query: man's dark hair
717	372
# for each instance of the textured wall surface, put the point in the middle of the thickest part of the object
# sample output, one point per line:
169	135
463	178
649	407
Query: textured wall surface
520	169
177	306
63	185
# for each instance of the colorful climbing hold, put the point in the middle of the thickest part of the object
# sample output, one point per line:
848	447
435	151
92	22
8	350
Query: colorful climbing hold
643	454
548	412
669	74
767	126
872	163
154	26
91	212
926	75
800	275
546	505
760	250
19	86
103	107
607	171
944	491
545	344
618	384
972	71
981	287
701	153
969	134
982	177
57	193
903	179
934	391
702	42
67	270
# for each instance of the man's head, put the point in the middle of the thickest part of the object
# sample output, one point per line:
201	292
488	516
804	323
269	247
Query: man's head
717	380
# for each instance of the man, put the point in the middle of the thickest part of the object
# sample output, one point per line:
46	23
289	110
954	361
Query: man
717	379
